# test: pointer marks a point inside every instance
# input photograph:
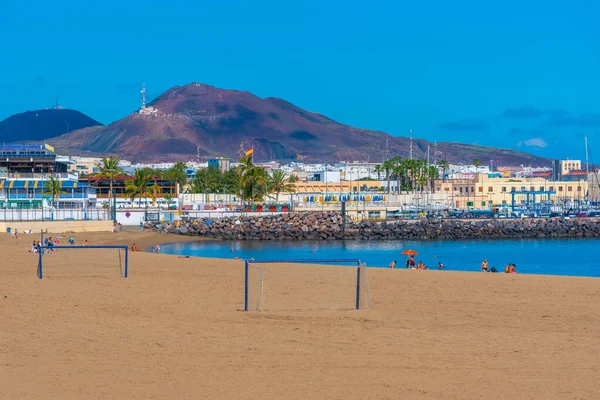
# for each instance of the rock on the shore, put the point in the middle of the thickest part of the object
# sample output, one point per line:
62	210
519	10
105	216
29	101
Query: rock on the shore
329	226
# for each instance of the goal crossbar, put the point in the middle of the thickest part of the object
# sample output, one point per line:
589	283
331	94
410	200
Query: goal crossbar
326	262
45	248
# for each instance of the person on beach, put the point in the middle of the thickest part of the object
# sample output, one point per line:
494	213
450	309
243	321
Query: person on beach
510	269
484	266
440	265
158	249
134	248
85	243
33	247
393	264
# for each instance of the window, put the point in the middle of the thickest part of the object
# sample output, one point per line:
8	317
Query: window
469	204
490	189
569	188
503	188
472	189
460	189
532	189
483	203
447	189
579	188
560	188
522	188
513	189
541	188
552	188
480	189
503	201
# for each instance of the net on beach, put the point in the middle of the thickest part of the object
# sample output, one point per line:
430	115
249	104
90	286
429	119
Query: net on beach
306	285
82	262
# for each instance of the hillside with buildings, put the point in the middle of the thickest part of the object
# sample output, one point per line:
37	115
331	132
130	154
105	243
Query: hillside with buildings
202	121
44	124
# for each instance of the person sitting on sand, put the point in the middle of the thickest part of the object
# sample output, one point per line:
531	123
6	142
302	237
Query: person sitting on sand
33	247
420	265
513	270
71	240
393	264
440	265
85	243
134	248
510	269
484	266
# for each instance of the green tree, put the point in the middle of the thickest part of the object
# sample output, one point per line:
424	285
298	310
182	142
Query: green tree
109	169
433	173
254	180
280	183
53	187
444	165
208	180
378	170
388	166
140	186
477	164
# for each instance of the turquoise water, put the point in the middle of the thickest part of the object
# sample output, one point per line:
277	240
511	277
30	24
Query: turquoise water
575	257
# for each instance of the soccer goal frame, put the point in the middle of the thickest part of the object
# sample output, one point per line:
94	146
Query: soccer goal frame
326	262
42	249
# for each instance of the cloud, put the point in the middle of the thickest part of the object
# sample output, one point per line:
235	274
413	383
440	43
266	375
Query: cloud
524	112
533	142
531	112
579	121
465	125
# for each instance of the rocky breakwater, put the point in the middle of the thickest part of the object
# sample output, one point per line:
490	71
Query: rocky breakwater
328	226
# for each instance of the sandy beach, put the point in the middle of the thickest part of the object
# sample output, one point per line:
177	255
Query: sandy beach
175	330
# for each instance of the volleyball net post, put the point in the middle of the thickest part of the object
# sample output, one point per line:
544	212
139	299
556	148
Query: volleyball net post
48	251
305	285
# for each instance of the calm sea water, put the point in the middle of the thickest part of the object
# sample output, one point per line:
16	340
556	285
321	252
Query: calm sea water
575	257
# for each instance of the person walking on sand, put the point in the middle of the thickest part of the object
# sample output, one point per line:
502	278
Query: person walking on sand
484	266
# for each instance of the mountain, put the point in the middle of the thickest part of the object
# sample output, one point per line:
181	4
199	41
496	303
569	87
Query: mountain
201	119
43	124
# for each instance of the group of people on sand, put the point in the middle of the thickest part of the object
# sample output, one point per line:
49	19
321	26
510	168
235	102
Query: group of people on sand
412	264
509	269
49	243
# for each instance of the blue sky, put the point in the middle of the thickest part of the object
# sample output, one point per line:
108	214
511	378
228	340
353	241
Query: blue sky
513	74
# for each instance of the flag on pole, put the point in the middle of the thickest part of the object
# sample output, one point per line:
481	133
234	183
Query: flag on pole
250	151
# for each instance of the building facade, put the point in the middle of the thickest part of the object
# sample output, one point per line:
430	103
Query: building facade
485	192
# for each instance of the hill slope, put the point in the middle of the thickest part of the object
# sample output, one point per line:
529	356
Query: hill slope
216	122
43	124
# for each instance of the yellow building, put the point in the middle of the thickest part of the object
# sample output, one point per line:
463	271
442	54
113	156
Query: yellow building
567	166
84	165
484	192
337	187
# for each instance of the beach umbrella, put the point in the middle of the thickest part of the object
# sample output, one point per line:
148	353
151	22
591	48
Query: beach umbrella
409	253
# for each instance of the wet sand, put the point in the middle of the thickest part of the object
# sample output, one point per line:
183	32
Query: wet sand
175	330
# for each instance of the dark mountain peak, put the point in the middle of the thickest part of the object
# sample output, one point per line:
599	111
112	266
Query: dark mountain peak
220	122
43	124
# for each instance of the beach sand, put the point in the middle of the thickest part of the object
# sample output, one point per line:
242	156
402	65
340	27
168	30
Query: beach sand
175	330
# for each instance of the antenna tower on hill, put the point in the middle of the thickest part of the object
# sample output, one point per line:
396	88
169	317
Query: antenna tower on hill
143	96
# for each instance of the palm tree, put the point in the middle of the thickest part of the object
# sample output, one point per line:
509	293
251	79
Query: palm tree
254	180
279	183
140	186
53	187
444	165
477	164
378	170
388	166
110	169
433	174
398	171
